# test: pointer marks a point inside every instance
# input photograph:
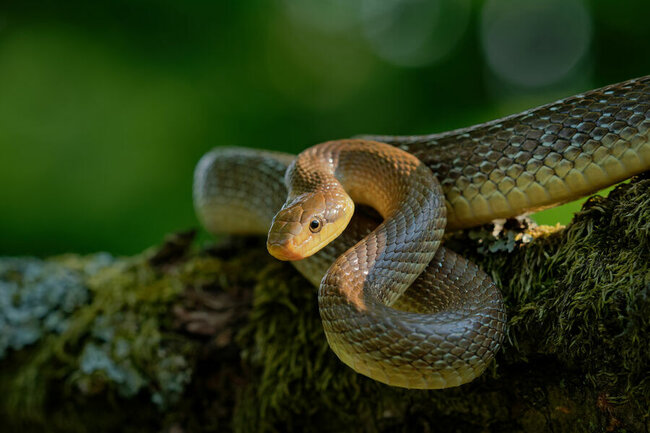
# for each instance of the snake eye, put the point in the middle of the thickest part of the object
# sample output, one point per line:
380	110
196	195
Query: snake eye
315	225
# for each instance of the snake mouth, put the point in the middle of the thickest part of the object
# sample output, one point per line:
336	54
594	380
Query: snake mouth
282	249
283	246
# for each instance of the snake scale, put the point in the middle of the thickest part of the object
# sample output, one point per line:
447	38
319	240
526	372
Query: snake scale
394	304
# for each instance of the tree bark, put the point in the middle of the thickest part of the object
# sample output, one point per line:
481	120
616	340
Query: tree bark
184	338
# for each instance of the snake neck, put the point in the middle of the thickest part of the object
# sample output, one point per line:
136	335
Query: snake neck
369	172
401	189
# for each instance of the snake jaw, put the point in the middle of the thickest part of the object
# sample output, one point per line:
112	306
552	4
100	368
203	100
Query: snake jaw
280	252
290	236
281	247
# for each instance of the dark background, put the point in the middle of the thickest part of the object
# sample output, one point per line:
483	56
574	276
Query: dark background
106	106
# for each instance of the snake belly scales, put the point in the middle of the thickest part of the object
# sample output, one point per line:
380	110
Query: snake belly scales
394	305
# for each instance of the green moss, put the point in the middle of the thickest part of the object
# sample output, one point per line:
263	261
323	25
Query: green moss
36	298
582	293
114	344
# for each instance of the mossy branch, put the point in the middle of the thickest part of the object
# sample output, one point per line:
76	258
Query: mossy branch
182	338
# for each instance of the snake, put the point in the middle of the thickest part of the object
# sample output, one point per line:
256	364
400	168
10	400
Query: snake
362	219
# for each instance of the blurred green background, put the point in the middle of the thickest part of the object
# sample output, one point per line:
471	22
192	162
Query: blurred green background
106	106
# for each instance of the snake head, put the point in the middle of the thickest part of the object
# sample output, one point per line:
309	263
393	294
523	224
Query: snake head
307	223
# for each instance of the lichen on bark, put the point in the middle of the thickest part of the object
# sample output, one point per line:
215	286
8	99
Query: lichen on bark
226	338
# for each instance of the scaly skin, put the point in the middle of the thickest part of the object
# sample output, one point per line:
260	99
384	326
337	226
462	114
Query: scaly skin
542	157
444	329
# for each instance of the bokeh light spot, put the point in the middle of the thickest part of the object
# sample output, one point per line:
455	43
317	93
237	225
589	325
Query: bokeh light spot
534	43
414	32
329	16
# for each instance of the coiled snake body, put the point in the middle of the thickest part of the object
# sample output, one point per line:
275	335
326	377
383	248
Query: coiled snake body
395	306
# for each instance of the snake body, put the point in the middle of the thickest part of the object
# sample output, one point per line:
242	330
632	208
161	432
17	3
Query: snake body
394	306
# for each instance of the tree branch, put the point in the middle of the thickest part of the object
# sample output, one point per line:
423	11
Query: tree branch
182	338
